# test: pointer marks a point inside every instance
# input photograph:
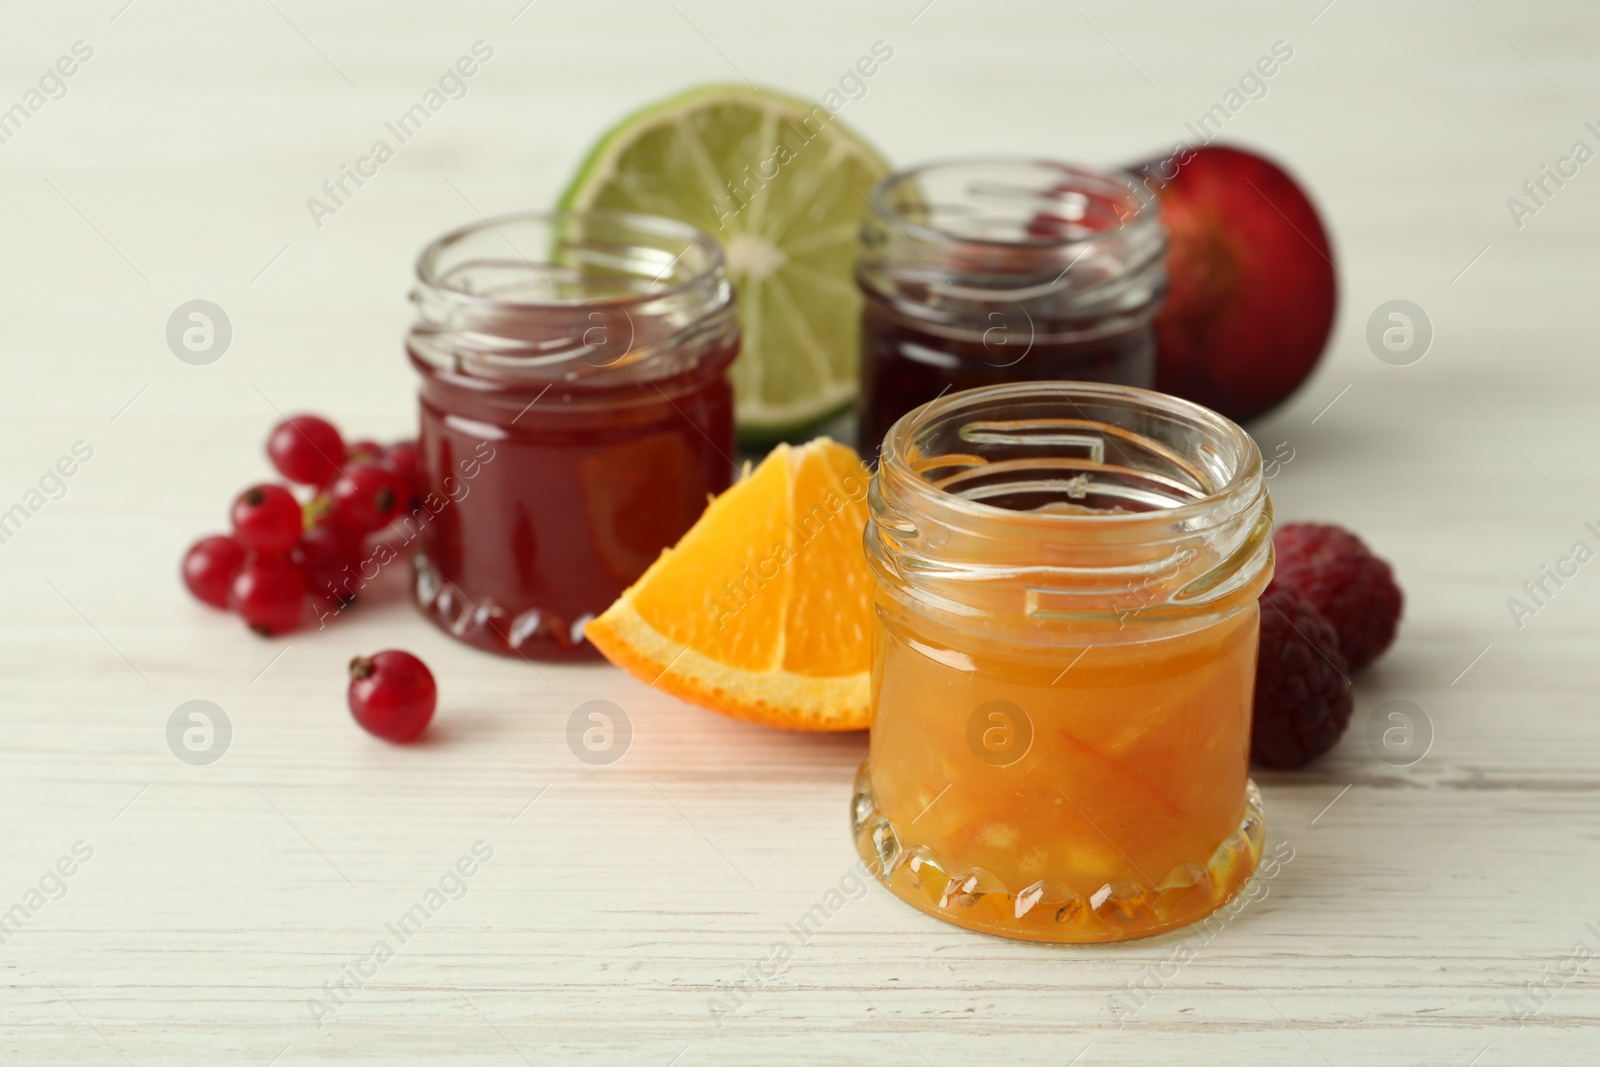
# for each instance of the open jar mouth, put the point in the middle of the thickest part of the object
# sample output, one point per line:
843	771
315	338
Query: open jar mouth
568	295
1053	499
1016	230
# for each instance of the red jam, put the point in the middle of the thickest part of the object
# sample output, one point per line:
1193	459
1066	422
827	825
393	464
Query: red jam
575	415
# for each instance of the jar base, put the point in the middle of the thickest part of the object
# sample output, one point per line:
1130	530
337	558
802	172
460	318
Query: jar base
529	635
1050	909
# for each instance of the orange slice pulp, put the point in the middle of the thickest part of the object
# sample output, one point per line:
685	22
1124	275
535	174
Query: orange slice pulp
761	611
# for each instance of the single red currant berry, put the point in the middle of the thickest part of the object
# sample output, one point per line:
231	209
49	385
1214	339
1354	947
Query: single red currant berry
266	519
392	695
404	457
327	558
269	595
405	461
306	450
364	452
365	498
209	567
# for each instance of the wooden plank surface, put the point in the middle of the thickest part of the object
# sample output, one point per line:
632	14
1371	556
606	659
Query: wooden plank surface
211	909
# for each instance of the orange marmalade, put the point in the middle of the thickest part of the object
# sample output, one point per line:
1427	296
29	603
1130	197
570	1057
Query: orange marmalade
1066	578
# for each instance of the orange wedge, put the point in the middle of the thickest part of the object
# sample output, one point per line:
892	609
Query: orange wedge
761	611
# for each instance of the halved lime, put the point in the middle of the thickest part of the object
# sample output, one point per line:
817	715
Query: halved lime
783	185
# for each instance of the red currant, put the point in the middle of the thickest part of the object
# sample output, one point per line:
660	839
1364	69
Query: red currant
209	567
269	595
365	498
405	461
364	451
392	695
306	450
266	519
326	557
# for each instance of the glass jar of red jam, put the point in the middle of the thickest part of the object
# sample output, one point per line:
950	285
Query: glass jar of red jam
576	413
984	272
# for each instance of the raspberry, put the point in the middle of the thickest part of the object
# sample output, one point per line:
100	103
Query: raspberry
1303	698
1354	590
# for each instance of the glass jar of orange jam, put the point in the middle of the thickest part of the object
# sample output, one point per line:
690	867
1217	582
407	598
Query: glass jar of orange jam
1066	581
575	415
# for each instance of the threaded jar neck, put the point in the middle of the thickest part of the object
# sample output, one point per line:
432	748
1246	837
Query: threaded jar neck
951	241
587	298
1069	502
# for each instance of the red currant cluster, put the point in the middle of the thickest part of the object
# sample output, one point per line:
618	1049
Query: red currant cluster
282	550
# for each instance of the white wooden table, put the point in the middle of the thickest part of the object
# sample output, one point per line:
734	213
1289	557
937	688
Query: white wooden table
219	905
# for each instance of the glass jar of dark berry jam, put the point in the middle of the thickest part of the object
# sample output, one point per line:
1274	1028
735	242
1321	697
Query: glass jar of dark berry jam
576	413
984	272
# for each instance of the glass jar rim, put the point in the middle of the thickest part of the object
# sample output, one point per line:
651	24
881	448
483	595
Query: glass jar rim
895	462
971	234
1131	193
1103	492
427	262
576	288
